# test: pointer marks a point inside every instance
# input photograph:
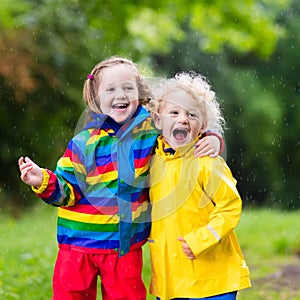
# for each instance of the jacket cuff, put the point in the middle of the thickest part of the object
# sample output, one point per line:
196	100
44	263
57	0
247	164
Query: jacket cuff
44	184
221	140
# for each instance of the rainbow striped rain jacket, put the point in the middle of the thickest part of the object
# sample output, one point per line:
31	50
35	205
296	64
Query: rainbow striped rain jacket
100	186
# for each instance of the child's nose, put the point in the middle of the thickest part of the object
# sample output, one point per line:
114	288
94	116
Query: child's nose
120	93
182	118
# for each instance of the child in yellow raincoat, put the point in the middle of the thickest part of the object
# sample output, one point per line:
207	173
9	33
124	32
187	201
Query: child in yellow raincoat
195	253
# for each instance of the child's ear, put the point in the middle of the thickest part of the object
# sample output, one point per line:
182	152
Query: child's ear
203	127
157	121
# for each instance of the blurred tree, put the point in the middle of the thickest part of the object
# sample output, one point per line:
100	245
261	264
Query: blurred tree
260	99
247	26
264	114
48	47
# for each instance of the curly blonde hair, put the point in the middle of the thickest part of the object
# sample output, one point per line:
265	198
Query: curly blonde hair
199	88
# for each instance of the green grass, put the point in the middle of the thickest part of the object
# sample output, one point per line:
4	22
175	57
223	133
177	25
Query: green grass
269	240
28	247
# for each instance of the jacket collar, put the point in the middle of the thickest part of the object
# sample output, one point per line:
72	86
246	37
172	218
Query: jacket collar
102	121
165	150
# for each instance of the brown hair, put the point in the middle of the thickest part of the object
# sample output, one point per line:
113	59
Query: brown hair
91	85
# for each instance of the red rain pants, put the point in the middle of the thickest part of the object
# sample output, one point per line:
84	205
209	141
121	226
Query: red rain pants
76	273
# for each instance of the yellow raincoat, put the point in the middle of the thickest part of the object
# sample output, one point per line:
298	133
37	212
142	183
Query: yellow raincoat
197	199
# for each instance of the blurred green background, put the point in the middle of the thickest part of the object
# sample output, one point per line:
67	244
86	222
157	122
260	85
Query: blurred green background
249	51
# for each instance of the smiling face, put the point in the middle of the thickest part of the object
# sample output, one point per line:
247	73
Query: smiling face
180	118
118	92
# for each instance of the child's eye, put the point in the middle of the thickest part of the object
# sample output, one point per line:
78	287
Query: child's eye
174	112
128	88
191	115
110	89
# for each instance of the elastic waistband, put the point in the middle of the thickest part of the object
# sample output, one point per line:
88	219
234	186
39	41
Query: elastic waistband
97	251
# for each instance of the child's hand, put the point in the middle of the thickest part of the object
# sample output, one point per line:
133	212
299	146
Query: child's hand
186	249
31	173
208	146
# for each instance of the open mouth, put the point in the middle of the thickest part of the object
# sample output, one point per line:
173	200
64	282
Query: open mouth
180	133
120	106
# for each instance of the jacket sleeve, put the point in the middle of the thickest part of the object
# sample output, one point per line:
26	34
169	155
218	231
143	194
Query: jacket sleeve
220	189
64	186
220	138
